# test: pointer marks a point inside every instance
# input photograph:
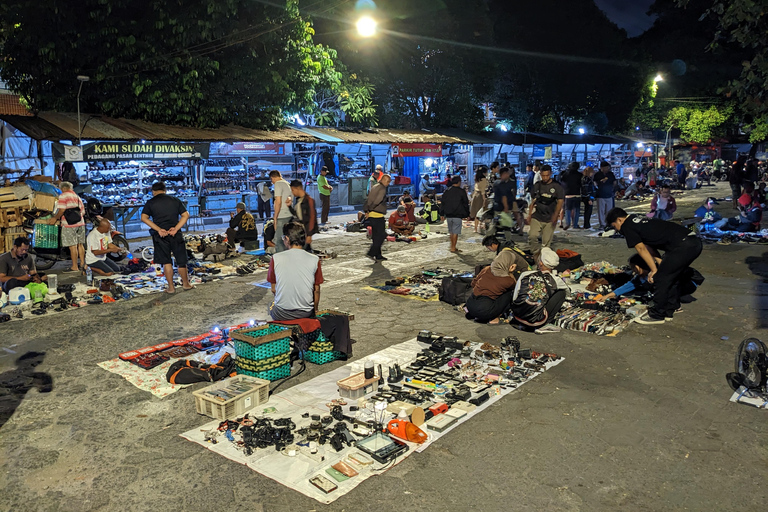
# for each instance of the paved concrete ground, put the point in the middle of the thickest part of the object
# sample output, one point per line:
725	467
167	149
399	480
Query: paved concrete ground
636	422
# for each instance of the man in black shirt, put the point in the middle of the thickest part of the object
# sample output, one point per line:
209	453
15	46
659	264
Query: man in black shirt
242	227
455	206
571	182
166	215
649	236
504	198
17	267
547	201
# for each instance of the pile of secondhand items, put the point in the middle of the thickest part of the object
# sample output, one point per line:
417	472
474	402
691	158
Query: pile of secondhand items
425	285
325	436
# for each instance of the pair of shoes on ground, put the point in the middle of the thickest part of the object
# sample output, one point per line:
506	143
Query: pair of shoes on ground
647	319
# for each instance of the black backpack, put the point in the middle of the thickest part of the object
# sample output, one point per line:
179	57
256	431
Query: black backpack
455	290
185	371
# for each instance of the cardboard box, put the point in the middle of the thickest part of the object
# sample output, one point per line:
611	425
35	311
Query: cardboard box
45	202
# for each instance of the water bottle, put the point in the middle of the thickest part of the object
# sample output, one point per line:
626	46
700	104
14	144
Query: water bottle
88	276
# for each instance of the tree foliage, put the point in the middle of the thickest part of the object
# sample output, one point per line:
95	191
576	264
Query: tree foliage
186	62
699	124
744	23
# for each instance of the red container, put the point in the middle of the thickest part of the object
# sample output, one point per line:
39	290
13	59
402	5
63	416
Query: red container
402	180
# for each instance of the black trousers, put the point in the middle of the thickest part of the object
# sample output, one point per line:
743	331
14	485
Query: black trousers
587	211
378	235
666	297
336	328
484	309
265	209
326	207
526	317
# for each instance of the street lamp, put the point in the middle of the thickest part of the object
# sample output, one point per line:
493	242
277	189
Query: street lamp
658	78
81	79
582	131
366	26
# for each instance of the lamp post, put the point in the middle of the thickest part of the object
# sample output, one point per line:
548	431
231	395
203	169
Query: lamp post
81	79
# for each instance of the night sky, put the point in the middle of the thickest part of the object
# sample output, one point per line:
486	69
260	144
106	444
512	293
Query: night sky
628	14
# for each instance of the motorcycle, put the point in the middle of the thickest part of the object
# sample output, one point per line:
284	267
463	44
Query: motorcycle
47	258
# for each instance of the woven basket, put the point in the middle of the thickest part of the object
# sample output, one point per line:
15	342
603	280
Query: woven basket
280	372
261	334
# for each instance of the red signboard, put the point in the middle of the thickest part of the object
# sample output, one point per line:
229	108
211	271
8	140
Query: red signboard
431	150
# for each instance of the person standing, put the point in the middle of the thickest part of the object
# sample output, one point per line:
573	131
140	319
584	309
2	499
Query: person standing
588	194
242	227
649	236
282	215
604	180
478	196
529	176
653	175
264	196
303	208
571	183
71	211
324	189
736	178
375	209
375	177
455	206
504	195
547	201
166	215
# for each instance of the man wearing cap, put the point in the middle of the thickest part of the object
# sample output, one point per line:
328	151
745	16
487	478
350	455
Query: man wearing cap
548	198
400	223
649	236
708	216
749	218
375	209
539	294
375	178
242	227
324	189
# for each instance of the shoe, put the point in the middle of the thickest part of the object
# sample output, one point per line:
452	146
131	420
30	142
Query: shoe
382	258
646	319
547	329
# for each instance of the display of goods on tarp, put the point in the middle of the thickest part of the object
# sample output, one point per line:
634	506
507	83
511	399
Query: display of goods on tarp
351	423
424	285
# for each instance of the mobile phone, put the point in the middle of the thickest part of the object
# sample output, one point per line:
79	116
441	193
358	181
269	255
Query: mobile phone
323	484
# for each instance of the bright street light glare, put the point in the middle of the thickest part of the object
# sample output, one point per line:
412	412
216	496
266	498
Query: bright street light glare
581	131
658	78
366	26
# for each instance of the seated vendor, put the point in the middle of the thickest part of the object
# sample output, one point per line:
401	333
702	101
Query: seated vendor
269	236
493	287
635	188
749	218
491	243
17	267
690	280
663	205
98	245
399	223
708	216
538	294
242	227
296	276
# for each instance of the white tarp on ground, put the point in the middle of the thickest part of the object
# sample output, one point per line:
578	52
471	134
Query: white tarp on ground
311	397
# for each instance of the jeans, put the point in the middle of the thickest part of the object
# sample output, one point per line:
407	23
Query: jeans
378	235
572	207
265	208
106	265
666	295
326	202
587	202
604	205
547	231
279	245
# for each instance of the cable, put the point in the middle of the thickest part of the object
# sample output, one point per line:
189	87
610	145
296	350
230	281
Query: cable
286	379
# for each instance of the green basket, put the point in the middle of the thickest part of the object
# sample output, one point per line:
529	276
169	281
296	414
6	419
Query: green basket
262	334
46	236
278	373
322	357
263	351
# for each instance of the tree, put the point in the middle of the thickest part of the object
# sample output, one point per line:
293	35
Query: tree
699	124
187	62
744	23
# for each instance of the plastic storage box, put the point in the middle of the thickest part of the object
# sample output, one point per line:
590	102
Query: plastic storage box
356	386
221	408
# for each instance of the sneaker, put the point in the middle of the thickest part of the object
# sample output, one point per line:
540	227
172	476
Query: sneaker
381	259
545	329
646	319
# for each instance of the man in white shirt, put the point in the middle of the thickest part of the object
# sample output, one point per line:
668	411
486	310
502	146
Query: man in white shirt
99	243
282	214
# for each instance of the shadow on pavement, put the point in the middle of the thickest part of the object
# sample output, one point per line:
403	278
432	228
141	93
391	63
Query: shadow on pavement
759	266
15	384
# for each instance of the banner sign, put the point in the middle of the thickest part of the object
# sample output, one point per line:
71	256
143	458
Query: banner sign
111	151
431	150
542	151
248	148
